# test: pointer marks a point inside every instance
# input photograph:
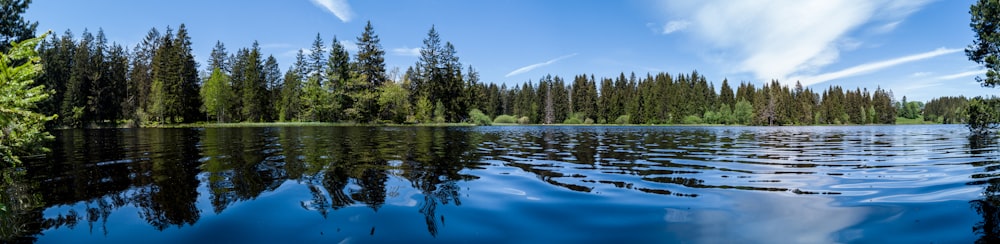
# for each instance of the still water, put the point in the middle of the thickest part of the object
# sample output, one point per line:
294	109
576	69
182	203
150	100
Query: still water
910	184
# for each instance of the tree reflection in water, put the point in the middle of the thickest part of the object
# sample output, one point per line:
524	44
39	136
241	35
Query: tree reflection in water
989	206
158	171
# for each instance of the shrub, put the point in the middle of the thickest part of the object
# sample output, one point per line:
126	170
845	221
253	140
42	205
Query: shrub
572	121
624	119
504	119
588	121
691	119
524	120
477	117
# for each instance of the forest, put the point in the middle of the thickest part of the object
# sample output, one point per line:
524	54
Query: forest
157	81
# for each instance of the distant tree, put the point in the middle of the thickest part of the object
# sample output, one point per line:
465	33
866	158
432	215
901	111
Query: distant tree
21	128
726	94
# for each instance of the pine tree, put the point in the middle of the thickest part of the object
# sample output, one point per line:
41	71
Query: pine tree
371	70
290	106
13	26
219	58
78	86
140	79
273	83
370	57
338	75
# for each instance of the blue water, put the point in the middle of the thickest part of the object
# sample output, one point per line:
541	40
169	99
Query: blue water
901	184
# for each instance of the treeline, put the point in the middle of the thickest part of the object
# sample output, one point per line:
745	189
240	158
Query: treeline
158	81
97	83
681	99
947	110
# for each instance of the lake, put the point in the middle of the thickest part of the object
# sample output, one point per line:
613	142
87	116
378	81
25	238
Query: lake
502	184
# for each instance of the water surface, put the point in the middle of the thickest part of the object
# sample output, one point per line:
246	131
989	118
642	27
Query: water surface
508	184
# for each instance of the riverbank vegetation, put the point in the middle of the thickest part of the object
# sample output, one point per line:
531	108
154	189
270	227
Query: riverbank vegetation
158	83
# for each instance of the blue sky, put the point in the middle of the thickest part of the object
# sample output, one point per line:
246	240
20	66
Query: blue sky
913	47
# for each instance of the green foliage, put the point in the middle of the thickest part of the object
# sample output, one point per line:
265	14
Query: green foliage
692	119
21	128
947	110
216	94
576	118
393	99
504	119
983	115
13	26
623	119
524	120
439	112
985	23
743	112
424	110
479	118
725	114
710	117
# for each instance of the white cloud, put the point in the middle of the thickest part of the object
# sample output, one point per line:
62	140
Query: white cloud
962	75
404	51
869	67
349	46
888	27
339	8
525	69
676	25
775	39
921	74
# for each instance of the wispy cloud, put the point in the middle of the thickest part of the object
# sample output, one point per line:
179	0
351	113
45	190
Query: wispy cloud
869	67
349	46
525	69
778	39
961	75
405	51
676	25
339	8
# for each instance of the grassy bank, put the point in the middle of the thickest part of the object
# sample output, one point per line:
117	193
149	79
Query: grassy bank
917	121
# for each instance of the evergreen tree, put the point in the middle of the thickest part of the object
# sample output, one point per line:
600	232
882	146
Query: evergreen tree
290	106
338	76
78	86
219	58
272	80
254	89
140	80
13	26
370	57
371	69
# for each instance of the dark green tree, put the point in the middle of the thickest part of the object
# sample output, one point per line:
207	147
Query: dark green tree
371	69
985	49
13	26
